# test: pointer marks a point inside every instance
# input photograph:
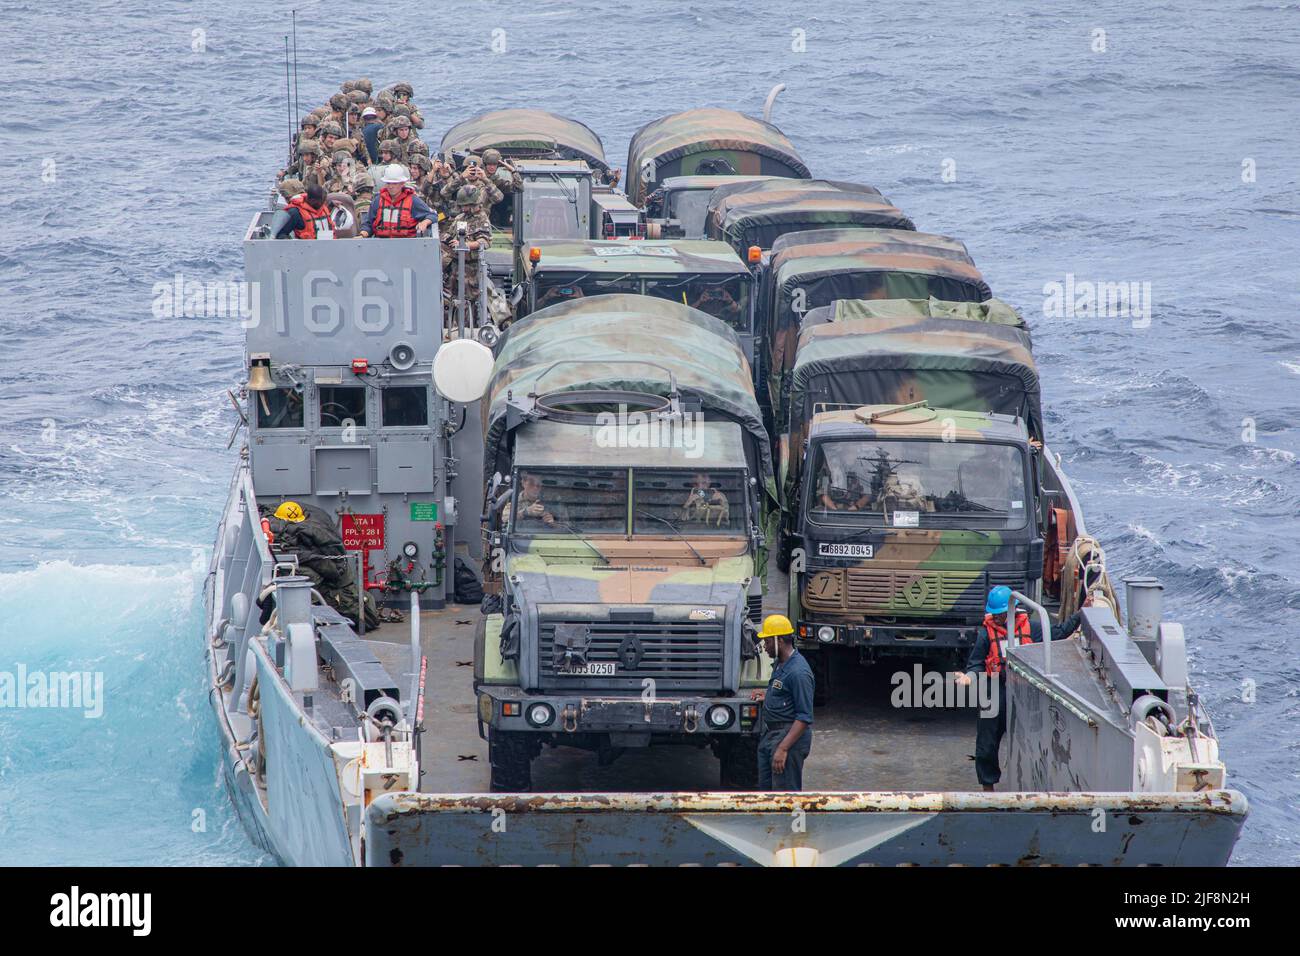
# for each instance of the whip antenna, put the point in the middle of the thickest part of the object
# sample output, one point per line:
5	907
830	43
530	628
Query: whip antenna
288	97
296	107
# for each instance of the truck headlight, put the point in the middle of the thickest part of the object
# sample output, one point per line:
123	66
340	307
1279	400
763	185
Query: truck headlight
825	634
540	715
720	716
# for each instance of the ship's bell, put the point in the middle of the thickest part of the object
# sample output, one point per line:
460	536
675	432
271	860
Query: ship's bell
259	376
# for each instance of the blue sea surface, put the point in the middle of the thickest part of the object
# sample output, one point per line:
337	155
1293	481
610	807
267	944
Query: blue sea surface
141	138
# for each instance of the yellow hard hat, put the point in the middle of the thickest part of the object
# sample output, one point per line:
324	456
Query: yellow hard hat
290	511
776	625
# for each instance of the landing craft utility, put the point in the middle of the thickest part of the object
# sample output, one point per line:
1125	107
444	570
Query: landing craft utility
379	472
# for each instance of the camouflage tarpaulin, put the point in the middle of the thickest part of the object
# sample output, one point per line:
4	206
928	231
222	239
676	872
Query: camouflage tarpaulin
990	310
886	240
759	215
804	275
588	335
535	133
899	359
676	145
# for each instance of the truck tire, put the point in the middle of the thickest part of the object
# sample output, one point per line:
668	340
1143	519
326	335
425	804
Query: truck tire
511	756
738	763
821	668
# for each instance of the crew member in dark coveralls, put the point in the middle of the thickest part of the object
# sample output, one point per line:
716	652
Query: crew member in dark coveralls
988	656
787	709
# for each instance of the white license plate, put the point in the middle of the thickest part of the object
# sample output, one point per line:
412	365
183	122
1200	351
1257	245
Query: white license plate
829	550
600	669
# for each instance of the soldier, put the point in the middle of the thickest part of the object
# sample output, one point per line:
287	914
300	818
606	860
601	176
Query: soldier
307	127
501	172
359	97
364	85
472	174
471	214
425	184
329	132
441	175
357	183
301	168
339	108
402	93
705	504
402	131
387	156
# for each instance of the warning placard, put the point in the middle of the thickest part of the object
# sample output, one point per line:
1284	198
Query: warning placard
362	532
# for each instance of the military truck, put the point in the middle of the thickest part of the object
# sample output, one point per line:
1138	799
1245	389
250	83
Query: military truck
757	214
913	475
812	268
705	275
562	165
629	484
707	142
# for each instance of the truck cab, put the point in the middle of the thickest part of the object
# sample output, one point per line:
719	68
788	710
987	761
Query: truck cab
678	208
907	516
623	578
702	274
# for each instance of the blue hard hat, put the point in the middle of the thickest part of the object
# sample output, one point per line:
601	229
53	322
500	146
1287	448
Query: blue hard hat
998	600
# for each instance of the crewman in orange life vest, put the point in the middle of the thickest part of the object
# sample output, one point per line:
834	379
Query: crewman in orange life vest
988	657
398	212
305	216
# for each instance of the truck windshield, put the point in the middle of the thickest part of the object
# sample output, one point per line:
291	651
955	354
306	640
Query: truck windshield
688	207
692	503
667	503
724	297
568	501
918	484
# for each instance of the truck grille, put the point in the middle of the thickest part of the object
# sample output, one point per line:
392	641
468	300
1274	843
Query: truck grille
684	655
896	591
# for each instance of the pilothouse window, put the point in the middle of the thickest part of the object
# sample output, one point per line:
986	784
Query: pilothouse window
279	408
405	406
342	405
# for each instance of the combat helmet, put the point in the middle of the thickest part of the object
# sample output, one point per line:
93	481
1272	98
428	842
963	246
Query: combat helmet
400	88
359	97
308	120
401	122
309	147
348	86
491	156
417	147
468	196
330	128
339	101
291	187
401	109
364	85
391	145
421	162
472	159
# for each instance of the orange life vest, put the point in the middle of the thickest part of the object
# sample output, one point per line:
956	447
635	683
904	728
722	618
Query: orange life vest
994	661
394	219
316	223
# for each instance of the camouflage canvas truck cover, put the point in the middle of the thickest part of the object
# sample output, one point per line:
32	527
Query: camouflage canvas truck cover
626	562
707	141
909	478
756	215
818	267
703	274
526	134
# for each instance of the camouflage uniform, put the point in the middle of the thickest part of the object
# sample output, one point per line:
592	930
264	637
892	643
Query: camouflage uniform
489	193
503	177
411	110
356	182
471	212
309	153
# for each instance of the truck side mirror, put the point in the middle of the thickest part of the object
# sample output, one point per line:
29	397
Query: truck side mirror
1035	563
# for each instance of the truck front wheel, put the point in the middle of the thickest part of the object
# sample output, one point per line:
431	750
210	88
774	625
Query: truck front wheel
511	756
738	761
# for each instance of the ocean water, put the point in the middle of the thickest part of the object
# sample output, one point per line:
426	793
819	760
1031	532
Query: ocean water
136	149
